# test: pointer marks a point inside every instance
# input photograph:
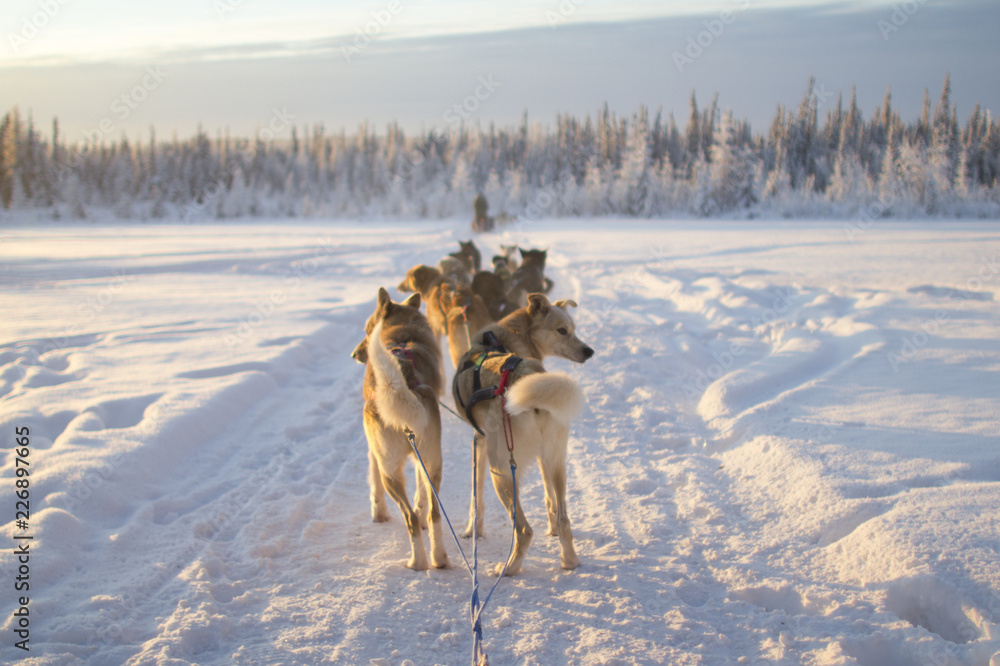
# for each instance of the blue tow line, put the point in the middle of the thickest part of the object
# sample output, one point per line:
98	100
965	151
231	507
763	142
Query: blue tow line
479	657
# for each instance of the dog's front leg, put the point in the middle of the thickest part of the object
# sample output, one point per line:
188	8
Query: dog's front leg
476	504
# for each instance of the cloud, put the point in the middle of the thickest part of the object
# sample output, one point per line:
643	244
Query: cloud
761	58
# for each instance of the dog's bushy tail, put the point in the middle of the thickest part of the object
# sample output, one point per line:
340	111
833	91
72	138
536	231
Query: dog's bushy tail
554	392
396	403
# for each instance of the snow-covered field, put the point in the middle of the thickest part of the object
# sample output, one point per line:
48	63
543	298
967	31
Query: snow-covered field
790	452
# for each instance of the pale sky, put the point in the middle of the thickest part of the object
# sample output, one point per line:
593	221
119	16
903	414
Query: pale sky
113	67
89	30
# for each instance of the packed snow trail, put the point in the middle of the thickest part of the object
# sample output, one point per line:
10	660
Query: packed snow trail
788	453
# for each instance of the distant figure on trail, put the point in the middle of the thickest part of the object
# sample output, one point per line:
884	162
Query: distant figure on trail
482	221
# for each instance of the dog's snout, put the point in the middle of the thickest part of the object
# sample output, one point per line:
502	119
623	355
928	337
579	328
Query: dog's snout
587	352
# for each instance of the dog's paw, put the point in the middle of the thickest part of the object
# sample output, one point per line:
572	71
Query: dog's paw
380	515
442	562
570	563
512	569
467	534
417	564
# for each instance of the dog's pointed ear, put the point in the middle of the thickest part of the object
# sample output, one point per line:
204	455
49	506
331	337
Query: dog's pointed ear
360	353
565	303
538	304
413	301
383	297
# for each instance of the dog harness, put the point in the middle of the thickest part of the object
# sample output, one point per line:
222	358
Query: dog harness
479	393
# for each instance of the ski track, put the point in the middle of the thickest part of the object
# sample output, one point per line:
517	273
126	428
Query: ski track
716	499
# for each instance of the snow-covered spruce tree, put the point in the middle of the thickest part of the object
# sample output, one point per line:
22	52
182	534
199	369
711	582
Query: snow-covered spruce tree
596	185
849	184
891	189
726	183
630	193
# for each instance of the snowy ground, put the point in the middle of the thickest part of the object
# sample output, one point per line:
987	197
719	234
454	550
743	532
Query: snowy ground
790	453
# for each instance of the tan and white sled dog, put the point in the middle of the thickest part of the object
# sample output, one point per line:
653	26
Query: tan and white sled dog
466	315
427	281
540	404
401	389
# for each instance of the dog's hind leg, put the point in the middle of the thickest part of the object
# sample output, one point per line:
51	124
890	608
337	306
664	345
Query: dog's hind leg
380	513
420	501
554	479
429	445
504	485
476	504
395	485
551	503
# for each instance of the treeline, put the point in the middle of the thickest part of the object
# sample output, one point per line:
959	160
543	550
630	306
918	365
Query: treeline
842	164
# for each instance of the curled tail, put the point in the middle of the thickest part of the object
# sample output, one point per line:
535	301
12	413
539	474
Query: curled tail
554	392
396	403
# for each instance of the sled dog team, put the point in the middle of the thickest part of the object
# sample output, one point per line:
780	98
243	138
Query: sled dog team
500	326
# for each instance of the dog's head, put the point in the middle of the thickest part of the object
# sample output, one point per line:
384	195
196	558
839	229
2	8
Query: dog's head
552	329
468	248
533	257
507	251
391	314
419	279
458	296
